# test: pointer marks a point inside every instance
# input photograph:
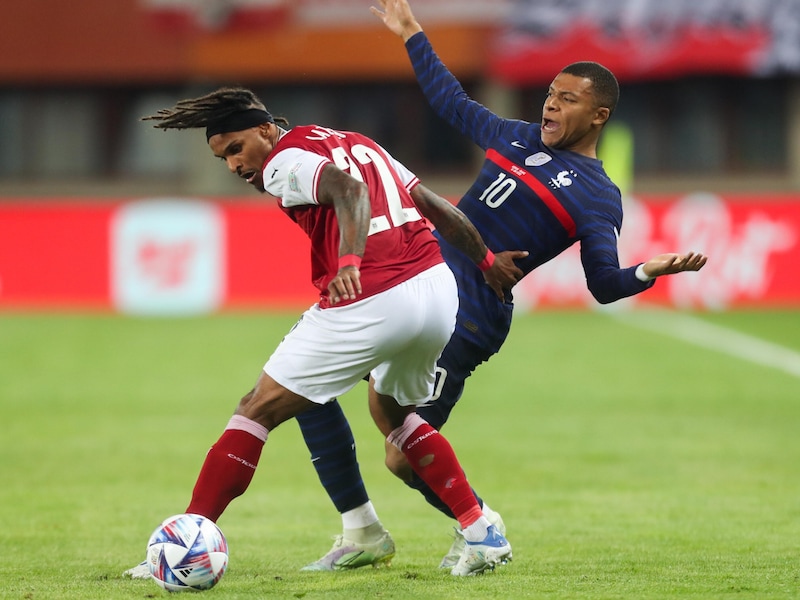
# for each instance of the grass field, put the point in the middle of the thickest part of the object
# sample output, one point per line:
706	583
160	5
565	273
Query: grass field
627	463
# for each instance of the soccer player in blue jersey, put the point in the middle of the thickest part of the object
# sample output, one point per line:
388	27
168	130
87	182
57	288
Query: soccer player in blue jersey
541	188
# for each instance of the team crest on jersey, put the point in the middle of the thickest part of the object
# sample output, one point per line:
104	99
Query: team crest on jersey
538	159
563	179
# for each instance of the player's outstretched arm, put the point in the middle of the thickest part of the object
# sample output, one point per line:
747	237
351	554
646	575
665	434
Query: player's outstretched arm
671	263
397	17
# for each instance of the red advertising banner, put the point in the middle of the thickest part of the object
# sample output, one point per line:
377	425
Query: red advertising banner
184	256
54	254
154	256
753	245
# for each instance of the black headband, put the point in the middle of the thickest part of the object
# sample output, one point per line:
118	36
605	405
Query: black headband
239	121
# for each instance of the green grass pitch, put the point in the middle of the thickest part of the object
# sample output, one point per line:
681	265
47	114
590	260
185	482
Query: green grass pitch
626	463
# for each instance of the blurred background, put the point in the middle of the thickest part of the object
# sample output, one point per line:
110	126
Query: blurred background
98	209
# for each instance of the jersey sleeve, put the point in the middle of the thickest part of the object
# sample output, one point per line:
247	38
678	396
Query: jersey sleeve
293	176
606	281
447	97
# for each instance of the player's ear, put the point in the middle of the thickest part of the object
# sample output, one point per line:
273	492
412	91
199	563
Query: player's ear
601	115
264	129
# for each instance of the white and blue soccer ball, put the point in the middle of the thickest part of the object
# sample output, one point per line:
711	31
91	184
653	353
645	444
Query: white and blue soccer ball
187	553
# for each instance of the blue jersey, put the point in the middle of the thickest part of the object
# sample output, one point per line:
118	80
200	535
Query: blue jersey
527	197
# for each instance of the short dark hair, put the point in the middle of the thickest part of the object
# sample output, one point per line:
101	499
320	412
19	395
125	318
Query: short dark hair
604	84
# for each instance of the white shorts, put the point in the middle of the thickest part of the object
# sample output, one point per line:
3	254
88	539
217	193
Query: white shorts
397	336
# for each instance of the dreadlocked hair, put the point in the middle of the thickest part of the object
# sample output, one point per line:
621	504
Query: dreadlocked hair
200	112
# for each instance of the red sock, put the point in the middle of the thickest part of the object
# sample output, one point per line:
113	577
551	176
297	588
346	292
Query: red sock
432	458
228	469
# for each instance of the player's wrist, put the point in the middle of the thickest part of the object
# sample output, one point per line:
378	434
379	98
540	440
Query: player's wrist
350	260
487	261
641	275
411	31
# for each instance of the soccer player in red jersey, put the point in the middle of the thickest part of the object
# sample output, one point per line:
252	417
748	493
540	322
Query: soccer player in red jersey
387	303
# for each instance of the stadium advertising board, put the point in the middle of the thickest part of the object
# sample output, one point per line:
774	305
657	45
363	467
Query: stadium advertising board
647	39
186	256
751	242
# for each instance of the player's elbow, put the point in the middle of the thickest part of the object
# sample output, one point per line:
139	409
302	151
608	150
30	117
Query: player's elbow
604	299
602	294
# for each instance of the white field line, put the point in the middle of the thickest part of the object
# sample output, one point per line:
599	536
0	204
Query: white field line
704	334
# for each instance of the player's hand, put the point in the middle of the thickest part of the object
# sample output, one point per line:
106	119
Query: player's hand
668	264
504	273
346	285
397	16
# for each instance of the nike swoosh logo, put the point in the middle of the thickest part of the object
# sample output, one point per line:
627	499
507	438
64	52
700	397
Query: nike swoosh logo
518	144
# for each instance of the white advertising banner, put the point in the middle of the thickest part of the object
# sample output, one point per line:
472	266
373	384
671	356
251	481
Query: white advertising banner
167	257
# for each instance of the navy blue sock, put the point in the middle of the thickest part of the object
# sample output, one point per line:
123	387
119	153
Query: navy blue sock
333	453
416	483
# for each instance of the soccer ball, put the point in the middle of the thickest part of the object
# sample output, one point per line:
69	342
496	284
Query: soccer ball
187	553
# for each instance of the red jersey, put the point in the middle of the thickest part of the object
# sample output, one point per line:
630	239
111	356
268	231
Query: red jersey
400	244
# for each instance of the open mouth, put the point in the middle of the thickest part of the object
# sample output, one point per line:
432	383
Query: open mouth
549	125
248	176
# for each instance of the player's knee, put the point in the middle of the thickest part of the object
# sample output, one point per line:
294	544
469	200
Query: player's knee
270	405
396	462
257	411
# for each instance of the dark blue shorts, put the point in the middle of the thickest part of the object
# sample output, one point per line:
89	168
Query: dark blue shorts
458	361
